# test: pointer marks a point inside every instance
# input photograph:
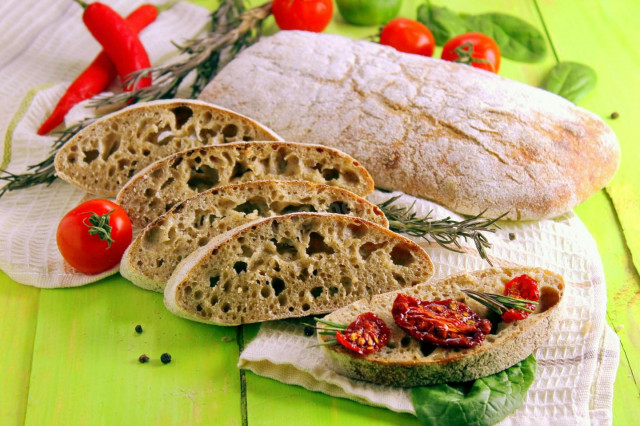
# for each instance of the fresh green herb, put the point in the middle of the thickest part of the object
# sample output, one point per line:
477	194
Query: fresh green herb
570	80
485	402
499	303
517	39
446	232
443	22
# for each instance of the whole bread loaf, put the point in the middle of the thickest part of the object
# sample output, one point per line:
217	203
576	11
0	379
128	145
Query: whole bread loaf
102	157
407	362
292	266
467	139
170	180
159	248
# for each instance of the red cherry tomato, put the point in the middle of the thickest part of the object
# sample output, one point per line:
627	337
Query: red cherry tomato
409	36
521	287
307	15
93	236
366	335
476	49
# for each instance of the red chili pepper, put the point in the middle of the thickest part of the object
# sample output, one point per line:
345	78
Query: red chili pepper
441	323
367	334
117	39
523	287
97	76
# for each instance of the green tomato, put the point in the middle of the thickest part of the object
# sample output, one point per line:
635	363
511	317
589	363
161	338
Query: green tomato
368	12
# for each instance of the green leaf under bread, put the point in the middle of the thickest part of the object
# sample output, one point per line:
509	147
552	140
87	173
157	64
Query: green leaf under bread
487	401
570	80
443	22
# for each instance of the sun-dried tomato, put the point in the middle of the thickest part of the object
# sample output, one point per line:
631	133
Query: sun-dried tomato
366	335
522	287
441	322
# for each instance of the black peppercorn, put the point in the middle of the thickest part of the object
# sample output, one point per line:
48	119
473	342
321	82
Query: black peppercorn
512	236
615	115
165	358
138	329
143	358
308	331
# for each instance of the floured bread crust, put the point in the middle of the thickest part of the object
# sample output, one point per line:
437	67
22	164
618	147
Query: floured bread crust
465	138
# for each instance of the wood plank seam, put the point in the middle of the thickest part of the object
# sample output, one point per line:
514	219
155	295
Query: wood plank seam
243	379
30	368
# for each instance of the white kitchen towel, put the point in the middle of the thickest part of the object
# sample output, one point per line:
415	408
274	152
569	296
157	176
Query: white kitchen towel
576	367
46	45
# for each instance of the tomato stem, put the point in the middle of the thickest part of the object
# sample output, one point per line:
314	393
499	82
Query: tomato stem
83	4
99	225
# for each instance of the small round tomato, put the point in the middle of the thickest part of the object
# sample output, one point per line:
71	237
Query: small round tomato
409	36
93	236
475	49
307	15
368	12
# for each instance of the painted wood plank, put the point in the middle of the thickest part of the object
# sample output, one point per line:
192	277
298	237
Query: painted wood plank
86	370
18	319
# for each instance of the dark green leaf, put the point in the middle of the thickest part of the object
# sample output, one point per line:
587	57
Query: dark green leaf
443	22
517	39
570	80
488	400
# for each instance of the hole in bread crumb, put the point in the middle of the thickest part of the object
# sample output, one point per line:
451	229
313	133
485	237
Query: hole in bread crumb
247	251
240	267
333	291
239	170
296	208
159	262
401	255
330	174
278	285
282	299
149	192
187	290
286	250
226	308
110	144
405	342
351	177
316	292
339	207
213	281
182	114
90	155
265	291
346	283
257	204
427	348
199	308
214	300
367	248
305	307
230	130
400	279
317	245
357	230
549	297
167	182
291	309
198	294
203	178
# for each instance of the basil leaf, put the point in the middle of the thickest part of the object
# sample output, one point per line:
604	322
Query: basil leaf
489	400
443	22
570	80
517	39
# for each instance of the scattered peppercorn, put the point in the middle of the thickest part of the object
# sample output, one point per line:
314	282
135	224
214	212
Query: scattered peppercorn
143	358
308	331
138	329
614	115
165	358
512	236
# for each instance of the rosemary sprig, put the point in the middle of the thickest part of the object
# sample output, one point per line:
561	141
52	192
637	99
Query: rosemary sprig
233	28
499	303
446	232
330	330
44	171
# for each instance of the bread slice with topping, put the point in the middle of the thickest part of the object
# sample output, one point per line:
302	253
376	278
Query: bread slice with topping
102	157
406	362
159	248
158	187
292	266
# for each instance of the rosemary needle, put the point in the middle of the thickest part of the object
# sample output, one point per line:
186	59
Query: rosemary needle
446	232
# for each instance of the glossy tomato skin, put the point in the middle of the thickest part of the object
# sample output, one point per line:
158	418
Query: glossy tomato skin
476	49
306	15
88	253
409	36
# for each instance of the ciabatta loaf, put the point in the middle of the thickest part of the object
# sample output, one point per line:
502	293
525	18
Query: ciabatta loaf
166	182
406	362
467	139
291	266
102	157
157	250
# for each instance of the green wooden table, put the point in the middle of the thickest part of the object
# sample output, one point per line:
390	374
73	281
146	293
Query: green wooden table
70	356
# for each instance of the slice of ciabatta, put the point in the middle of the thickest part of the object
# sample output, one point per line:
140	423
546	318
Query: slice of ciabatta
292	266
102	157
406	362
166	182
157	250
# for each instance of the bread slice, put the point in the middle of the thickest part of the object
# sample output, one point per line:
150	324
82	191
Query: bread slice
157	250
405	362
467	139
166	182
101	158
291	266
